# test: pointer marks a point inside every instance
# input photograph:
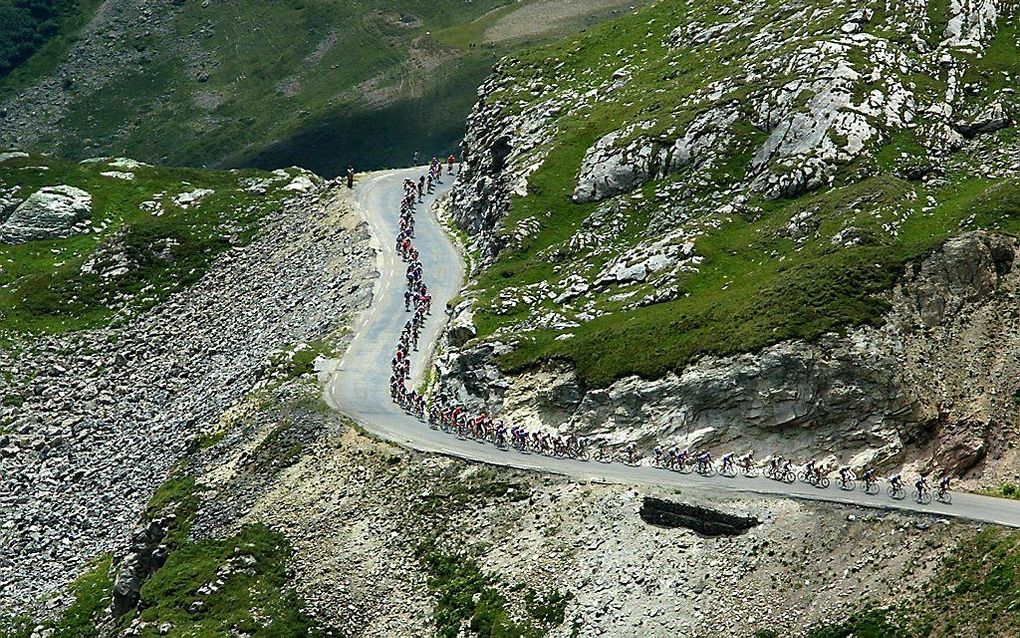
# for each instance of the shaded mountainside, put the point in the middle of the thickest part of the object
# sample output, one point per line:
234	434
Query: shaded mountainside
318	84
831	188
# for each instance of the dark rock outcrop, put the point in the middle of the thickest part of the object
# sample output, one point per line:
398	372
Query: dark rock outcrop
704	521
145	555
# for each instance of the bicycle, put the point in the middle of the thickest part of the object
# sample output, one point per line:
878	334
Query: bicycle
922	496
871	487
896	492
728	470
821	482
749	470
847	484
943	496
603	455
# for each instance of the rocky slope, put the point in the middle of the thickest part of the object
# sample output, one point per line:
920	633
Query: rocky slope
750	226
93	420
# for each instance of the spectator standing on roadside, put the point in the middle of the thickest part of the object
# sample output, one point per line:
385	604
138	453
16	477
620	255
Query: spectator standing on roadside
350	177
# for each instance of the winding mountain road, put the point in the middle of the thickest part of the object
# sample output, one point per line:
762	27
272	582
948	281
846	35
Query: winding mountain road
359	388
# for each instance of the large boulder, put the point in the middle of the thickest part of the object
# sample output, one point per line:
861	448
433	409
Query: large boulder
52	212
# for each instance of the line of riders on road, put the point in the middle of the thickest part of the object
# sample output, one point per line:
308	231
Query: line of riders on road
448	416
778	468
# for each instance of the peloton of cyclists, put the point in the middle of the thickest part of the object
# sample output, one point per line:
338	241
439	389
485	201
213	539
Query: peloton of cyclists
443	413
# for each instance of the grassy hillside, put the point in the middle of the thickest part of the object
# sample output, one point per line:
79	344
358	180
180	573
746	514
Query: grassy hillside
28	26
272	83
144	245
761	268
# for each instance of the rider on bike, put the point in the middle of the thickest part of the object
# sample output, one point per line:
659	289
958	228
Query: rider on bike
657	451
727	461
921	485
631	450
682	457
943	485
671	456
704	460
747	461
869	476
845	475
896	482
774	464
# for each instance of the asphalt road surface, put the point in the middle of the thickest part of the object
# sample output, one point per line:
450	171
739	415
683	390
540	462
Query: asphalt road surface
359	385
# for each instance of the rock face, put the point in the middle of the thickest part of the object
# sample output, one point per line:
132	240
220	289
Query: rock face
52	212
610	168
943	373
499	154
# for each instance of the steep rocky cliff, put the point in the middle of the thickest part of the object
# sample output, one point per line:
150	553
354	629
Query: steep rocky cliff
778	227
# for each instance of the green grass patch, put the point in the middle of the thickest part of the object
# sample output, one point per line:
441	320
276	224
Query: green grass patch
974	593
179	495
35	37
465	594
298	422
298	360
1006	490
269	83
92	593
239	585
868	623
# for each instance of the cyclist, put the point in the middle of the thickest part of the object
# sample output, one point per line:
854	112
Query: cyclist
573	444
681	458
943	486
845	475
869	477
727	461
809	469
896	482
631	450
787	468
747	461
671	455
704	460
657	452
921	485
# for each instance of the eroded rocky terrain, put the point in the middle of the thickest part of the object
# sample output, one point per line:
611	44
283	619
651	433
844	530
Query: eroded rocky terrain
94	420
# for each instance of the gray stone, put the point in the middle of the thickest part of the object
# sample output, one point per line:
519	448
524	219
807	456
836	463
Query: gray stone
52	212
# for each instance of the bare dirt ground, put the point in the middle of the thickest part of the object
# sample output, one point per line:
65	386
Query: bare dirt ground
546	17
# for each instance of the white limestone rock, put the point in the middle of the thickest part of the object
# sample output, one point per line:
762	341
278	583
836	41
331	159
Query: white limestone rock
190	198
52	212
